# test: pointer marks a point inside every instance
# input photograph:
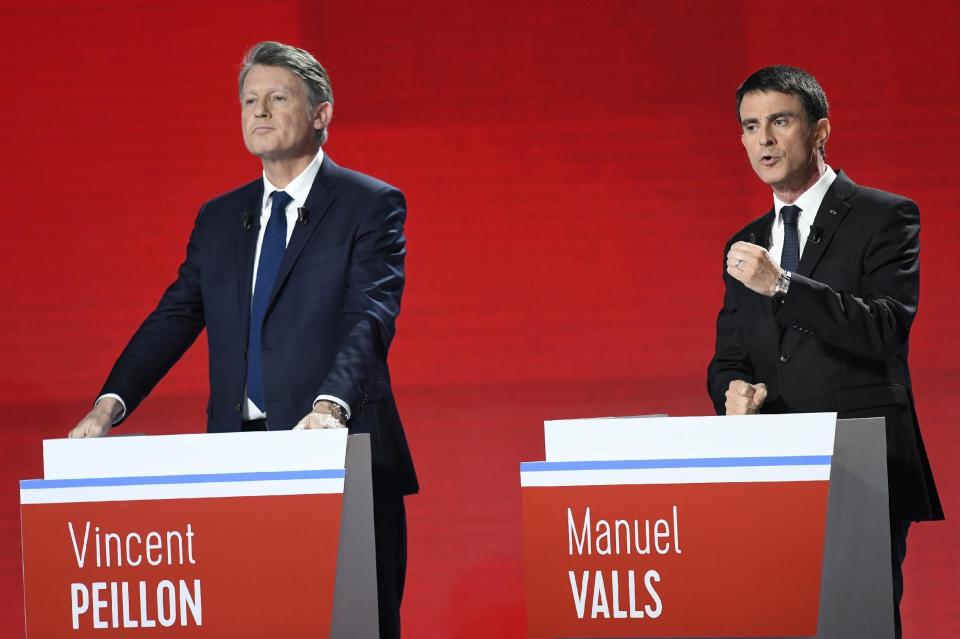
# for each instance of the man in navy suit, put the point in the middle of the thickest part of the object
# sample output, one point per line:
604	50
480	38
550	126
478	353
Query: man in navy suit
821	293
297	277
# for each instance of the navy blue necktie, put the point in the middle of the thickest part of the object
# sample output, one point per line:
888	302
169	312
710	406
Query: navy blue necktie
790	258
271	253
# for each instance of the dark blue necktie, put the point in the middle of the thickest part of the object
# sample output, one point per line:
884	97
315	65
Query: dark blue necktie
790	259
271	253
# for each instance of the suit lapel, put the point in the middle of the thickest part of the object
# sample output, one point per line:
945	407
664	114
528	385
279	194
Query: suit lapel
829	217
247	230
759	234
318	203
760	231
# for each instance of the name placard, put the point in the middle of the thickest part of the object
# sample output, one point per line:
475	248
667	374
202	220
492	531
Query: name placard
178	551
677	527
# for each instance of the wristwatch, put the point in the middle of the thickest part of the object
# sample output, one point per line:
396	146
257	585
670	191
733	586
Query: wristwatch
782	286
337	411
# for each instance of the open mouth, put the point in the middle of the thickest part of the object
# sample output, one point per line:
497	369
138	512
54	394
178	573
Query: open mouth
769	160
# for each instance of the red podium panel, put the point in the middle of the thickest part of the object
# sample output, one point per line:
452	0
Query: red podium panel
651	554
226	554
688	541
225	567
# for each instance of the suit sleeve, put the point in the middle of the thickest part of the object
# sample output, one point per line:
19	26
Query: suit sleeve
876	324
371	303
165	334
730	358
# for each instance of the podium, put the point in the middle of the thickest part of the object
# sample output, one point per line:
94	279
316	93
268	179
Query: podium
769	526
262	534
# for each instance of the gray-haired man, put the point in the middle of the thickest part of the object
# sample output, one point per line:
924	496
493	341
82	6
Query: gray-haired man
297	278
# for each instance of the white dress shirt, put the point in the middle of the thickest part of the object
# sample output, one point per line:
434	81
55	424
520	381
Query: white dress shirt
809	203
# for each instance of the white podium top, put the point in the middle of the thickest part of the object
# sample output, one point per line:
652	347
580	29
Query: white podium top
213	453
678	450
189	466
712	437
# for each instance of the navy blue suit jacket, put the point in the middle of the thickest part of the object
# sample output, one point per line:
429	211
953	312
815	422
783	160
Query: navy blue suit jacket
328	327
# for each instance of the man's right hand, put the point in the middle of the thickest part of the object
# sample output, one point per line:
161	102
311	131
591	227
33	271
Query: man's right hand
99	421
744	398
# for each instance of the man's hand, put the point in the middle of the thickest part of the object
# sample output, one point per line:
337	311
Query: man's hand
324	415
99	421
753	266
744	398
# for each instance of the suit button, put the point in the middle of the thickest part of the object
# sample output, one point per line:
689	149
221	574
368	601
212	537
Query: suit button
784	358
237	406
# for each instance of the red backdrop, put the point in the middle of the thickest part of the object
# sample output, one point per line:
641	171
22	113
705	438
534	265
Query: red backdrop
573	170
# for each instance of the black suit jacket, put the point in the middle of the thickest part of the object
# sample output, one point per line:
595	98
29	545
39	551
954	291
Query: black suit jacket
839	340
328	326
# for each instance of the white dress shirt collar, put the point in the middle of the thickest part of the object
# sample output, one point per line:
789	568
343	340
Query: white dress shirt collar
299	187
809	201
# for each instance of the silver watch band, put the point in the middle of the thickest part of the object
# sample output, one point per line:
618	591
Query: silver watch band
782	286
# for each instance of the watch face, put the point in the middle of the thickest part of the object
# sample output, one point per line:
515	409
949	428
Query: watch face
780	288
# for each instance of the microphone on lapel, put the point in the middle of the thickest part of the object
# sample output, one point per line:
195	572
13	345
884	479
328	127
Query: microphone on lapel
247	221
303	215
816	234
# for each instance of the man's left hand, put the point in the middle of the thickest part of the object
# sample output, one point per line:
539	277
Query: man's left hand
753	266
324	415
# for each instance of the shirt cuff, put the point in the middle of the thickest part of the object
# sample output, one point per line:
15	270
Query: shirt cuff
336	400
123	406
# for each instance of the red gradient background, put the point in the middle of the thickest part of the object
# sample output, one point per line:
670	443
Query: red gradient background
572	169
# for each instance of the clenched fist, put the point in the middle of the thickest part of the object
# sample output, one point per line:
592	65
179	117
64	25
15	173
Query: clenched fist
744	398
753	266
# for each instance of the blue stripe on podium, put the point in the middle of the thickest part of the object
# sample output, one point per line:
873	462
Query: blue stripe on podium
705	462
35	484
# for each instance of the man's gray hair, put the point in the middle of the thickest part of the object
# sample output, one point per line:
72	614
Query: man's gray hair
298	62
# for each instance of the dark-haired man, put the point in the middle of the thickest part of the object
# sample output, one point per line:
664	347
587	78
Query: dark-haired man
821	292
297	278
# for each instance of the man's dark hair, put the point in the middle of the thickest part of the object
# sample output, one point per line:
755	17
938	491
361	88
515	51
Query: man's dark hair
792	81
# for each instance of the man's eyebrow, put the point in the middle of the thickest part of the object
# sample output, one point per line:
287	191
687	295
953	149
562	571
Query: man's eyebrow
770	118
269	89
781	114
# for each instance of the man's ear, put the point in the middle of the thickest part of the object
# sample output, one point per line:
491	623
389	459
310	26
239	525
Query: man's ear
322	116
821	133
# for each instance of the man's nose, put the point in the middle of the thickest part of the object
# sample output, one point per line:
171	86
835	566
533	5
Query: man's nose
766	137
260	109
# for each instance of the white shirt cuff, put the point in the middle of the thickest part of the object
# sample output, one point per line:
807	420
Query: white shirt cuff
336	400
123	406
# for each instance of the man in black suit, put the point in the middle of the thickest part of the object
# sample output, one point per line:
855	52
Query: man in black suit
821	292
297	277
